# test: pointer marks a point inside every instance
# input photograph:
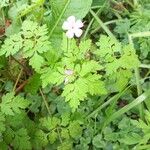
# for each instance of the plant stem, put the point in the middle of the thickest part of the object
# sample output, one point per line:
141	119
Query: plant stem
126	108
106	29
116	97
139	34
18	78
3	16
88	27
59	135
137	77
91	22
137	73
45	102
145	66
21	86
59	18
96	7
106	23
25	68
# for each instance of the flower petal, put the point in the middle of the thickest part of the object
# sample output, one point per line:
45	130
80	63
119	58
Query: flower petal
66	26
69	72
70	34
71	20
79	24
78	32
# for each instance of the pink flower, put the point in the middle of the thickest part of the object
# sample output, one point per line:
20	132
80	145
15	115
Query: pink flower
73	27
68	73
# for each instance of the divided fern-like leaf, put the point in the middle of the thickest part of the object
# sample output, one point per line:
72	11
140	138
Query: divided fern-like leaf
31	41
21	140
13	104
12	45
49	123
117	59
75	129
83	79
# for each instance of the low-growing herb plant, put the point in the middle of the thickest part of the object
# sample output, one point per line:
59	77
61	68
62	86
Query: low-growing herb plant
74	74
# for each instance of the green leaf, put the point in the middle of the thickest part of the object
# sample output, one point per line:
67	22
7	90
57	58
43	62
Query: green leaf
65	119
95	85
39	139
74	93
61	10
85	46
129	59
36	61
32	41
15	9
29	9
126	108
98	2
52	136
76	8
123	26
11	104
36	102
90	66
8	135
50	76
75	130
35	37
50	123
65	133
33	84
22	140
11	45
122	77
131	138
83	81
2	123
107	47
66	145
98	142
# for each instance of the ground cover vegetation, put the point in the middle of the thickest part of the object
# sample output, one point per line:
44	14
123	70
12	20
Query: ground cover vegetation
74	74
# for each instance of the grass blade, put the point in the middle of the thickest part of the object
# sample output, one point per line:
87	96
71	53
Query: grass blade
126	108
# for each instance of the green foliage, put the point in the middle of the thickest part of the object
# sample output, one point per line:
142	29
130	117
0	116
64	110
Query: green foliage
12	45
11	105
4	3
119	61
84	78
97	141
50	123
75	130
58	93
39	139
144	126
2	122
30	42
33	84
21	140
70	8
